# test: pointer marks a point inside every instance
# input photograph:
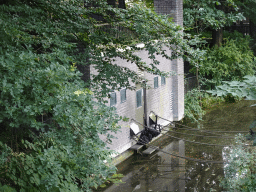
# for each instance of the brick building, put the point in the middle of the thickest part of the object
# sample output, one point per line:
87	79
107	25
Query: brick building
166	95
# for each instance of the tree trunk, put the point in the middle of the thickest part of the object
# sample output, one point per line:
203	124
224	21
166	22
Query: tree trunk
217	37
122	4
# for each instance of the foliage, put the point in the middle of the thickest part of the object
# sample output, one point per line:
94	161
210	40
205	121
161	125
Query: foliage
197	101
116	179
246	88
204	14
7	188
234	36
193	109
50	121
147	3
208	100
59	159
232	61
239	170
155	31
249	9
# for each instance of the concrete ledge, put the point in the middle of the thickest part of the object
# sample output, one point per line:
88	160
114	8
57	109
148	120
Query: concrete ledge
128	153
123	156
150	150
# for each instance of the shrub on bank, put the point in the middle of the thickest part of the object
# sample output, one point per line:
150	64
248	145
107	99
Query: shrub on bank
232	61
240	170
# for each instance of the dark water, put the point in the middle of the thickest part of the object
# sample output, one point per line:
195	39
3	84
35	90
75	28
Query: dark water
162	172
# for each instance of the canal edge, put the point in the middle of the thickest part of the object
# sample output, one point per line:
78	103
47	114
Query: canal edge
129	152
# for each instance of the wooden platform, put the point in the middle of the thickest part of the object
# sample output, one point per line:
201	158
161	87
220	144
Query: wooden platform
150	150
136	147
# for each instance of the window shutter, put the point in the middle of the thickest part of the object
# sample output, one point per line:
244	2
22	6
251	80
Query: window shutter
112	99
155	82
163	80
139	98
123	95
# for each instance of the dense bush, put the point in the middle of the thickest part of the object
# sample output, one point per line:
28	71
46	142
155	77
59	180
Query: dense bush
232	61
193	108
239	168
68	155
195	103
50	121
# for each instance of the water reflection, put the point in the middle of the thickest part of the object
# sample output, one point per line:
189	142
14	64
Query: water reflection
161	172
158	172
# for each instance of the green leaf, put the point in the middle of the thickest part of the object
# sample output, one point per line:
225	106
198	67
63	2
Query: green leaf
103	185
36	179
254	142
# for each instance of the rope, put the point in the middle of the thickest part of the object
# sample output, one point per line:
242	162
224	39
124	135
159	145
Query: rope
203	135
191	128
199	142
217	131
182	157
179	156
189	140
205	143
218	136
205	131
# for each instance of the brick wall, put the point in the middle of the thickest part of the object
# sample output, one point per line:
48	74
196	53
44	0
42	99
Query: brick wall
174	8
178	90
166	101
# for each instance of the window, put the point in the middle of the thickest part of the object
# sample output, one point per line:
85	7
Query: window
123	95
112	99
139	98
155	82
163	80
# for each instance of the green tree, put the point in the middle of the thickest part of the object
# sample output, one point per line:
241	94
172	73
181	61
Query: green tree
248	7
203	15
231	61
50	121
